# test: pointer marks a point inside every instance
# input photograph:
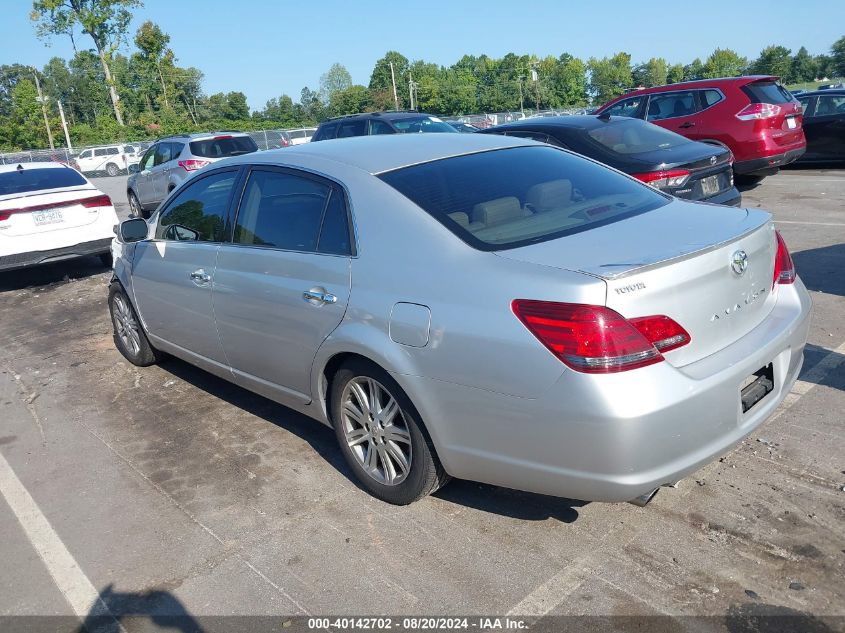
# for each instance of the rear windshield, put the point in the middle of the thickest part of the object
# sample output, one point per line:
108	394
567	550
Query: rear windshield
767	92
513	197
34	179
223	146
422	124
635	137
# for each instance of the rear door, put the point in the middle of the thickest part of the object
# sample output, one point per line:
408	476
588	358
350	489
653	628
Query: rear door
282	285
159	171
173	274
143	179
826	128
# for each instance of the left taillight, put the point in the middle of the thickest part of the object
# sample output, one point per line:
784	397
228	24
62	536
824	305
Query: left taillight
784	266
597	340
664	179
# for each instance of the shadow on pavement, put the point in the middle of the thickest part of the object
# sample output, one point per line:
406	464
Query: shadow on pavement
821	268
148	610
47	274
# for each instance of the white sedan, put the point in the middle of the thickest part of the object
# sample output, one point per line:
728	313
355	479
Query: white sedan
50	212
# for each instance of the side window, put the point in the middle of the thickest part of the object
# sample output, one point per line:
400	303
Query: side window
281	210
176	150
100	152
326	132
670	105
380	127
198	213
147	160
85	154
162	154
805	105
352	128
112	151
830	104
334	232
710	97
626	107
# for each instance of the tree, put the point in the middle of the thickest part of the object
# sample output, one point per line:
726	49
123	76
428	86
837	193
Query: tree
824	63
568	79
675	74
837	53
610	77
152	43
334	79
350	100
25	120
773	60
694	70
804	66
653	73
723	62
381	80
104	21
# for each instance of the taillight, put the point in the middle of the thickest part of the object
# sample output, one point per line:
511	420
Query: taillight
664	179
595	339
784	266
193	164
758	111
89	203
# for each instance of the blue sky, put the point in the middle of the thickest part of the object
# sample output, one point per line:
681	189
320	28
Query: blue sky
266	48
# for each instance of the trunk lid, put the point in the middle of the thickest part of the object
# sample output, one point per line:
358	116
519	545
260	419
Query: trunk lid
47	211
676	261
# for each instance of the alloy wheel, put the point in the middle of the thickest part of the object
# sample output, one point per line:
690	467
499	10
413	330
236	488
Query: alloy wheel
375	430
125	325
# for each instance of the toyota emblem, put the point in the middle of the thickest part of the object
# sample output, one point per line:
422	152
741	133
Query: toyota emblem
739	262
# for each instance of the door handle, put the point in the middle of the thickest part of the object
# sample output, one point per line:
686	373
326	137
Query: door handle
200	277
687	124
317	297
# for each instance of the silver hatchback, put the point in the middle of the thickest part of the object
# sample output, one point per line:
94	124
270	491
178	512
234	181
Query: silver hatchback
475	306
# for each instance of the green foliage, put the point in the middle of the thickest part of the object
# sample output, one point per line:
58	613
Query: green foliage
694	70
804	66
773	60
837	54
723	62
654	72
610	77
675	74
335	79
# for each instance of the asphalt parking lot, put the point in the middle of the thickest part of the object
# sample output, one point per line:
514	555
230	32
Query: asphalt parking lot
168	491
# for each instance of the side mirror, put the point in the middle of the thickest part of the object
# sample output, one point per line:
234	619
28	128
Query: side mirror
133	230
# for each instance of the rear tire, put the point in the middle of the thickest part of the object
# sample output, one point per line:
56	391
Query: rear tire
112	169
129	337
381	435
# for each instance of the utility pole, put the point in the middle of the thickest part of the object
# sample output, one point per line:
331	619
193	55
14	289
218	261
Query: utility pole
64	126
43	103
521	107
412	91
393	79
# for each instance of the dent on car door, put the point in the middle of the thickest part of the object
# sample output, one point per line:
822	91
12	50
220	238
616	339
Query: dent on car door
173	274
282	285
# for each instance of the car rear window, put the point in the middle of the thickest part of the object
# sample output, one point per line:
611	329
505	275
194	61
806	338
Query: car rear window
518	196
767	92
34	179
222	146
422	124
633	136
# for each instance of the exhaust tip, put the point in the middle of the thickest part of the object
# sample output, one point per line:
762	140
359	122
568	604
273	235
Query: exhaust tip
644	500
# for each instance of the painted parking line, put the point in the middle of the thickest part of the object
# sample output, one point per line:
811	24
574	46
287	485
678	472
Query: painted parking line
551	593
74	585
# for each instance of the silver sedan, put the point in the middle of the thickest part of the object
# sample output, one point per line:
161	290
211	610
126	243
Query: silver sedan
474	306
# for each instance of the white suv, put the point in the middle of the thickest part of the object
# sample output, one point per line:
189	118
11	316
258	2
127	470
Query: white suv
111	159
51	212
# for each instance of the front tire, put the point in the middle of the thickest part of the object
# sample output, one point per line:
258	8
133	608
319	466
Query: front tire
135	208
381	435
112	170
129	336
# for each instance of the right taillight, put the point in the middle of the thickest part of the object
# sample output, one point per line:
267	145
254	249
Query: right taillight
758	111
192	164
664	179
596	339
784	266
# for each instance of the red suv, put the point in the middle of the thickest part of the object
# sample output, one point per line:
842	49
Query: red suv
755	117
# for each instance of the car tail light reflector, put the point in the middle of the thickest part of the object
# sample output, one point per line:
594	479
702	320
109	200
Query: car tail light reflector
595	339
662	332
92	202
784	266
193	164
217	138
664	178
758	111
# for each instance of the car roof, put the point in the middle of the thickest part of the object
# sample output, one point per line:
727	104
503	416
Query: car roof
37	165
577	121
386	114
200	135
829	91
699	83
384	152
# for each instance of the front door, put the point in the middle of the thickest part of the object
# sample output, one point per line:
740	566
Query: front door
282	285
173	274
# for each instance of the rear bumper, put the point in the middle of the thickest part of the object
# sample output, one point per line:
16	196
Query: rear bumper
768	162
21	260
615	437
730	198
